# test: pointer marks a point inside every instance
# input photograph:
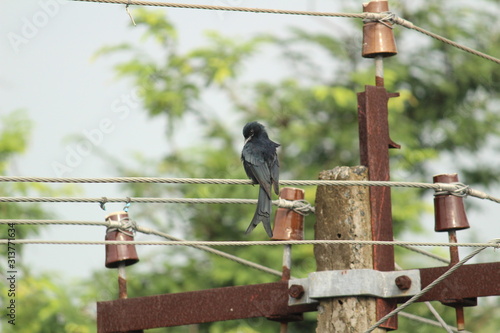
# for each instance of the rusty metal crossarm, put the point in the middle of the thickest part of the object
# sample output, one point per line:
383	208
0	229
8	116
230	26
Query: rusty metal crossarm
474	280
261	300
269	300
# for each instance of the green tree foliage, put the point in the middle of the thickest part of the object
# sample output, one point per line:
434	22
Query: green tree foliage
448	106
43	303
15	130
14	136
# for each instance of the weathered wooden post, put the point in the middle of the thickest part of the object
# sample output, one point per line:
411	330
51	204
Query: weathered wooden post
343	212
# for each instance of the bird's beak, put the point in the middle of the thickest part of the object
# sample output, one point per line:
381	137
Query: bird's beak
248	139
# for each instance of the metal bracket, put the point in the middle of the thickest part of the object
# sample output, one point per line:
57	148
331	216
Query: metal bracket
356	282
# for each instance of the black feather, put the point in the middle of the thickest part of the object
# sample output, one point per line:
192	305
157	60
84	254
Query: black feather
262	167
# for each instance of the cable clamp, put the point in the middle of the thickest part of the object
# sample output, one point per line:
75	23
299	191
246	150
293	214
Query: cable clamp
302	207
386	18
124	225
495	241
456	189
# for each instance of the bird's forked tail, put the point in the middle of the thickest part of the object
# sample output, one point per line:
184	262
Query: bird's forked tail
262	213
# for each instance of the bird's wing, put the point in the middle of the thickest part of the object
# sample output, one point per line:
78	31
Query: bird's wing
275	174
257	169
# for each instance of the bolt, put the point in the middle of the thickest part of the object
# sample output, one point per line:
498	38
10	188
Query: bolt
460	318
403	282
296	291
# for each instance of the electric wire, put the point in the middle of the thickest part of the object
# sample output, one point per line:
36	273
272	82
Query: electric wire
105	200
442	39
428	321
219	253
457	189
405	244
300	206
426	253
378	17
228	8
438	317
247	243
55	222
144	230
440	321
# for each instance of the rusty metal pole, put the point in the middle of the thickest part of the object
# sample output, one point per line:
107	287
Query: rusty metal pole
454	259
374	141
379	71
122	281
288	225
287	265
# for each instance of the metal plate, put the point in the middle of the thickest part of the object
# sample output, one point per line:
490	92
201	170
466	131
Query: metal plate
357	282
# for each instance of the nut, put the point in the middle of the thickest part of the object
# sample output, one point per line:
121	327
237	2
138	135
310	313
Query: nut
403	282
296	291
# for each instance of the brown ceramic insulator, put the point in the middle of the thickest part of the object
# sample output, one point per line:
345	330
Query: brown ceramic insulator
449	210
116	254
378	38
289	225
450	216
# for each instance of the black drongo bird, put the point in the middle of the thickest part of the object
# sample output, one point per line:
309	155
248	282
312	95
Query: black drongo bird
262	167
